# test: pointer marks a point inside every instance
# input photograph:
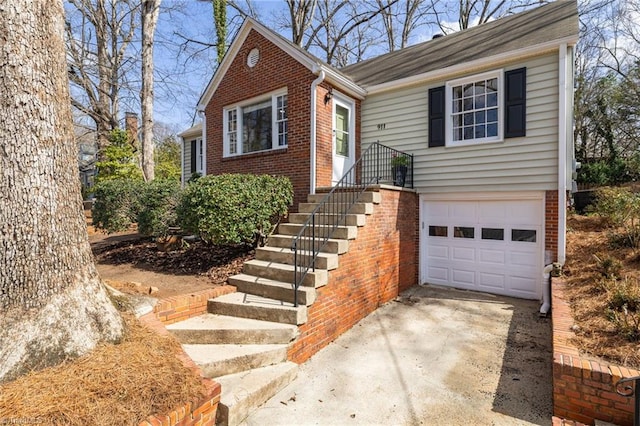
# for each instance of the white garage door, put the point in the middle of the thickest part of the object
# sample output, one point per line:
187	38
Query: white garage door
490	246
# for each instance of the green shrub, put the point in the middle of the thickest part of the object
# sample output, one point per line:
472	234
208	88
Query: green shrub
612	172
159	199
623	307
234	208
621	208
117	204
120	160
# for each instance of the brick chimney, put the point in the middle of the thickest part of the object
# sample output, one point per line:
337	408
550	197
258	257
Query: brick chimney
131	125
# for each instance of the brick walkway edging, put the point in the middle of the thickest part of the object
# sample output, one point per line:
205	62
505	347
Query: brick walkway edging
176	308
583	387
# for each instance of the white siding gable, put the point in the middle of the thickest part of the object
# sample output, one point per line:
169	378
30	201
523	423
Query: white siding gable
516	164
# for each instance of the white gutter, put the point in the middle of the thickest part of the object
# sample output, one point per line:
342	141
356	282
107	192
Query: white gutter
182	162
562	153
312	158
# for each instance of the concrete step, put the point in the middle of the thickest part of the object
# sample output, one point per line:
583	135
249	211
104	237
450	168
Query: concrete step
243	392
332	245
365	197
221	360
341	232
218	329
349	220
284	273
272	289
245	305
357	208
327	261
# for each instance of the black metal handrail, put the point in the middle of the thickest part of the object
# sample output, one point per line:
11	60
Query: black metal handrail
629	387
379	164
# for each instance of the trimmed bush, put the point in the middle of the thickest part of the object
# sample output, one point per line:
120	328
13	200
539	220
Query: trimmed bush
159	199
117	204
234	208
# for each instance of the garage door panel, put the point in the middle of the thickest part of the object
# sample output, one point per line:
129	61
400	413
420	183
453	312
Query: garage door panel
491	282
438	252
496	257
492	246
464	254
523	284
523	258
438	274
464	277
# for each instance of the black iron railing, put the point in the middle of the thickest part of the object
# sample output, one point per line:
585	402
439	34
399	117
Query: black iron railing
378	164
629	387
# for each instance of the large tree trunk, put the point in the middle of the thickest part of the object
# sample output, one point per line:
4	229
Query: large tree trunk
150	12
52	302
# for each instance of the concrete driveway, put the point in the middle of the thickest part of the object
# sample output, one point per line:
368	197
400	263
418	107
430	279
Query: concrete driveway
435	356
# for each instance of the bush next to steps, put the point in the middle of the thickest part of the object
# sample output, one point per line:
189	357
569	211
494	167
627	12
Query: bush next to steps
234	208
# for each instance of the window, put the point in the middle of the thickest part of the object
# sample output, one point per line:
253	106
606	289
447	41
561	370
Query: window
473	109
463	232
493	234
257	125
528	235
483	108
437	231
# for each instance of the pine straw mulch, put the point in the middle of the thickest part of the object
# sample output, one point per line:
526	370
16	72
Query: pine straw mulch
119	384
588	237
217	262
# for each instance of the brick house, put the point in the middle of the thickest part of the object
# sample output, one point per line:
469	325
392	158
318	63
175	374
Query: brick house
485	113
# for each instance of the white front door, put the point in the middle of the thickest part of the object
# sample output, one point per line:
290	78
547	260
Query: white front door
484	245
343	137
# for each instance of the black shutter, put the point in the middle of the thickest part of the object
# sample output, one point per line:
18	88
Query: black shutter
515	113
193	156
436	117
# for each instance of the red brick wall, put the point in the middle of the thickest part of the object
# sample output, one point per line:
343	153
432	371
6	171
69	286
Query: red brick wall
275	70
583	387
551	223
381	261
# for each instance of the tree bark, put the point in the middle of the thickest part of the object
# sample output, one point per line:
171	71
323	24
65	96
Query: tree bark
149	13
52	303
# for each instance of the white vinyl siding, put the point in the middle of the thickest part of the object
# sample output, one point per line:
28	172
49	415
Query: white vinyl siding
186	164
523	163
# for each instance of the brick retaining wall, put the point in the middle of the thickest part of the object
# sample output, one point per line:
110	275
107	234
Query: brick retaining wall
381	262
583	387
177	308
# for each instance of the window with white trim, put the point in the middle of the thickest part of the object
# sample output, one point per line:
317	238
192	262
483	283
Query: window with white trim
257	125
474	109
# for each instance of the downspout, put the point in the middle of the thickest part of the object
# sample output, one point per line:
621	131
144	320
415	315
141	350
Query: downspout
314	86
546	290
562	154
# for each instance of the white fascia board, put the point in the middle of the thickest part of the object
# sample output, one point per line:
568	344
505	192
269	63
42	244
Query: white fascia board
485	196
344	83
314	66
443	73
